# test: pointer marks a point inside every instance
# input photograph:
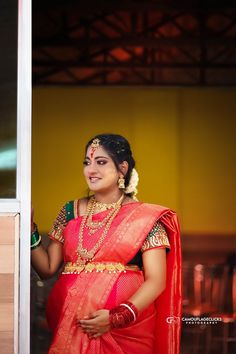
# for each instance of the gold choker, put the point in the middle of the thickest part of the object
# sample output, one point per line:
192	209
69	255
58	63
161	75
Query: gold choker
99	206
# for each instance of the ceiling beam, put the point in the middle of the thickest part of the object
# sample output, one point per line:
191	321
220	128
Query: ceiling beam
132	41
63	64
88	6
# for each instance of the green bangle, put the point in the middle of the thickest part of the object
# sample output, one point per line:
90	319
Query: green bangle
34	237
36	244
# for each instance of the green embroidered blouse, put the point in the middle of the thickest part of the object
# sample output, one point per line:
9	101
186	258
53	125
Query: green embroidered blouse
157	237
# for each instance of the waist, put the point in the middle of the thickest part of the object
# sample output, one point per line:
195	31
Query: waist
110	267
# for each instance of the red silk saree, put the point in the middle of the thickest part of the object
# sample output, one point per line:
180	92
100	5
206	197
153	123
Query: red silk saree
76	295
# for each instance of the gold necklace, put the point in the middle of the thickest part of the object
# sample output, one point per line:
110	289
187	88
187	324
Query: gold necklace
84	254
95	225
99	206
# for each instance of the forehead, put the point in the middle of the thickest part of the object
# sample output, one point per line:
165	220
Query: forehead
100	151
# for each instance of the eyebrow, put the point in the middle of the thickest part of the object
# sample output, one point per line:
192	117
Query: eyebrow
97	157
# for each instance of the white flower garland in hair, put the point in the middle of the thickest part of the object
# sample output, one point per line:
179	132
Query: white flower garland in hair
132	186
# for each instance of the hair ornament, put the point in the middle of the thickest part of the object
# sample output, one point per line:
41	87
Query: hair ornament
132	186
95	144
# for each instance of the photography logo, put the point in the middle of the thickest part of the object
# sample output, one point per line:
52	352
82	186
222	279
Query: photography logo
173	320
193	320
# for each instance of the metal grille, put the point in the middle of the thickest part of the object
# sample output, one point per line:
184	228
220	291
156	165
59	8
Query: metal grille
92	42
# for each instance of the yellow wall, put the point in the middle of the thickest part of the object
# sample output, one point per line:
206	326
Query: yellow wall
208	160
182	140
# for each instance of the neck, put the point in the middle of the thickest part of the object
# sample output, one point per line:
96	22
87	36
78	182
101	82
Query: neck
108	198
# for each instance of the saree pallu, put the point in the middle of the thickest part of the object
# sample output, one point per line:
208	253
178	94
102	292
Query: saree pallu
77	295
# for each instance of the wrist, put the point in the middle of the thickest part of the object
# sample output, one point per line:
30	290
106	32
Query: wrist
123	315
35	238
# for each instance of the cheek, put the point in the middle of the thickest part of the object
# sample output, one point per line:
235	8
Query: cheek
112	173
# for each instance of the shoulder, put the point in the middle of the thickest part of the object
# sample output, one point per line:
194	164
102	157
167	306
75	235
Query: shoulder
158	212
146	208
155	207
71	209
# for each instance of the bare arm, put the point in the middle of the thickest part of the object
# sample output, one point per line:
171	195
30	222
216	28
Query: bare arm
154	263
47	261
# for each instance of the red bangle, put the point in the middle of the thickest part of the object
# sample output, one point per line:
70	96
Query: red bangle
122	315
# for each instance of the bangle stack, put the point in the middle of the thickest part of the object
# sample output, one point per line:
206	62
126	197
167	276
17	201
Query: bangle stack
122	315
35	239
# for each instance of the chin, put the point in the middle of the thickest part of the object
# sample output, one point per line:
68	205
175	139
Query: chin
98	189
94	188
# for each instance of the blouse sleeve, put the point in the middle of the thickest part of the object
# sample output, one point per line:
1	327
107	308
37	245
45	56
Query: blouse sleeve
157	238
66	213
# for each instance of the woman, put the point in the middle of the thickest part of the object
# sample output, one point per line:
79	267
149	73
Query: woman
118	292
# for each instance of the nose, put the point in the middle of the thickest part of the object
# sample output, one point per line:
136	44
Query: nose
91	169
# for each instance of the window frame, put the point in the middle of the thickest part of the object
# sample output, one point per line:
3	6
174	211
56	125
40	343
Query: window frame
22	203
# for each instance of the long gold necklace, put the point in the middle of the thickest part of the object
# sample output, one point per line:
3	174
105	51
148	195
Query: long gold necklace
85	254
94	226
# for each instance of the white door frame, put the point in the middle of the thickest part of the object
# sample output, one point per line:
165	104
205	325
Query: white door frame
22	203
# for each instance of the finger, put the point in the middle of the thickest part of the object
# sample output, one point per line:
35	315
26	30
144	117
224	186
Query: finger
94	314
87	322
87	319
92	331
87	326
90	316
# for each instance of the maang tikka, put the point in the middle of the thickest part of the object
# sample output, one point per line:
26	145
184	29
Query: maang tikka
94	146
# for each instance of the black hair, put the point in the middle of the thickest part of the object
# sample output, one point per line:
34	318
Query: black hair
118	148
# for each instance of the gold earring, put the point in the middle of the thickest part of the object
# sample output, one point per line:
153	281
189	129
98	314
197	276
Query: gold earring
121	183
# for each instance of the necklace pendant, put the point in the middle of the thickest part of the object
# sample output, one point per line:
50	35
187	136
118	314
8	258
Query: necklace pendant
92	232
81	260
86	255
